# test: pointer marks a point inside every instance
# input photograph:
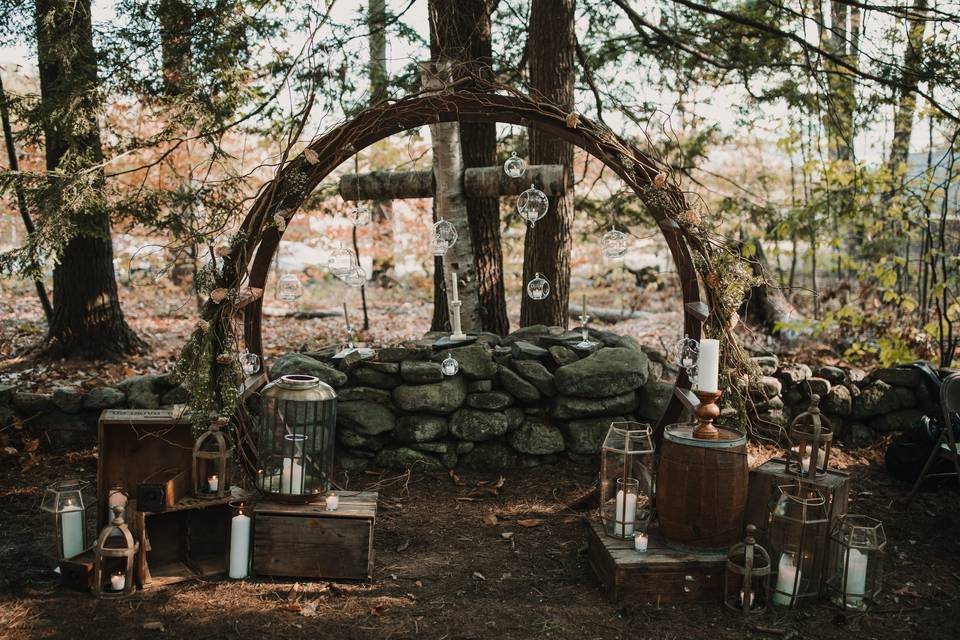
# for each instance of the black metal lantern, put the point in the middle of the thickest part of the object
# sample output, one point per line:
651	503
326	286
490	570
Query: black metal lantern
113	559
857	551
296	438
211	462
810	434
747	580
798	530
72	504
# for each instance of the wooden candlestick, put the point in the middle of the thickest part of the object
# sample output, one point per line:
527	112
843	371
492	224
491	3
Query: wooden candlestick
707	411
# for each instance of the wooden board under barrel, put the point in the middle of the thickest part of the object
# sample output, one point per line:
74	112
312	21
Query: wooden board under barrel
702	488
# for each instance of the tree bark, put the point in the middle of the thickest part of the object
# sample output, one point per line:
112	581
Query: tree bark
546	250
461	33
87	319
478	182
907	102
176	20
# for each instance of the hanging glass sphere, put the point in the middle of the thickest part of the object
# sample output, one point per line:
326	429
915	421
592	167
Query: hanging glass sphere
538	288
449	366
289	287
685	354
355	278
532	205
341	261
359	215
614	244
444	236
250	362
514	166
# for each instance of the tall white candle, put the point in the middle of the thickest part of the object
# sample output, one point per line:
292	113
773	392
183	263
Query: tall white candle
856	581
71	529
626	513
708	365
239	546
788	581
456	287
291	477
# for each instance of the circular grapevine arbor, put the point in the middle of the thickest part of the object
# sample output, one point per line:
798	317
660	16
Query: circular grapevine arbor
245	268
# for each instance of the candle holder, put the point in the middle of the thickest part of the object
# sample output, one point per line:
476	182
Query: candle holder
747	580
797	532
857	552
812	434
72	504
707	411
238	556
211	462
113	556
626	479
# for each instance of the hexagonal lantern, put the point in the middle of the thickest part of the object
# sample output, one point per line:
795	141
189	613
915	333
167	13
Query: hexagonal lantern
798	533
810	434
857	551
626	479
72	504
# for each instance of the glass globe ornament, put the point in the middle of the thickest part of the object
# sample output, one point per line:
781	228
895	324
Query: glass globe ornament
686	353
538	288
449	366
250	363
341	261
515	166
289	287
355	278
359	215
532	205
614	244
444	236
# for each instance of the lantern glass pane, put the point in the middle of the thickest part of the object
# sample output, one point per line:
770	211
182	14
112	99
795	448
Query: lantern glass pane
626	479
799	525
857	550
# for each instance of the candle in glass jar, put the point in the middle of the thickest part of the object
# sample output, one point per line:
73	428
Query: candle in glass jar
856	580
788	580
239	545
626	513
213	484
118	581
708	365
640	542
332	502
71	529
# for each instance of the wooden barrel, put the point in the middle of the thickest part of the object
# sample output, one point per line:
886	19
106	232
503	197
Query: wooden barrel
702	488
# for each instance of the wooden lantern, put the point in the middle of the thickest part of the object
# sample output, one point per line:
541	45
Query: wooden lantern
113	559
798	526
626	479
810	435
747	580
856	573
211	462
72	504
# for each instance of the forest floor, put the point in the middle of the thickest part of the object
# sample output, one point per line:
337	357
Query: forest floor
446	569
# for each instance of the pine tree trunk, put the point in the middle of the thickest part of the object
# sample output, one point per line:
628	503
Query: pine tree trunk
547	245
87	319
176	19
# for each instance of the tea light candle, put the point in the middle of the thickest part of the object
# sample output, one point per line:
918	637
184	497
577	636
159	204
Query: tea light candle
71	529
708	365
118	581
788	581
626	513
239	545
213	484
640	542
332	502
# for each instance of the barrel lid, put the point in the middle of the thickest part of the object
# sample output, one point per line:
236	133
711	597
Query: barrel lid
682	433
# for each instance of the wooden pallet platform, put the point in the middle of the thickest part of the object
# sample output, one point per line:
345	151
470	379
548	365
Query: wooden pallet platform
661	575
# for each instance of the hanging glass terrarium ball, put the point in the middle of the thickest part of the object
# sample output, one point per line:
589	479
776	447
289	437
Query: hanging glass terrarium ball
289	287
250	363
341	261
538	288
444	236
359	215
355	278
532	205
686	353
449	366
614	244
514	166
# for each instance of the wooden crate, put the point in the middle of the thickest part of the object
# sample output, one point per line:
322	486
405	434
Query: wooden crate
77	572
135	444
305	541
660	576
162	490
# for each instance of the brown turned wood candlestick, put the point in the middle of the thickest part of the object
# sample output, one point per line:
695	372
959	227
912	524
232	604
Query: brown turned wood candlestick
707	411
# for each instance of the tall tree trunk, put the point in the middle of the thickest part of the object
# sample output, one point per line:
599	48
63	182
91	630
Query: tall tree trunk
546	250
176	20
462	35
907	102
87	319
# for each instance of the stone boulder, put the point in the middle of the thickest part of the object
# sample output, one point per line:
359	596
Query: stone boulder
877	398
68	399
519	388
363	394
414	372
561	355
368	418
403	458
901	420
30	404
767	364
420	428
537	438
143	392
653	398
537	375
300	364
515	418
838	401
489	455
380	375
100	398
791	375
476	361
490	400
586	436
608	372
899	376
350	462
834	375
523	350
354	440
476	425
569	407
441	397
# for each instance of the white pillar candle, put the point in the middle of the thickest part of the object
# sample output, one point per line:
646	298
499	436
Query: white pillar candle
71	529
788	581
118	581
626	513
455	287
239	545
332	502
213	484
856	581
708	365
640	542
291	477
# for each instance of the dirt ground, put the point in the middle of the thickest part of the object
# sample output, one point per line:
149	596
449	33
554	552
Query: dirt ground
443	571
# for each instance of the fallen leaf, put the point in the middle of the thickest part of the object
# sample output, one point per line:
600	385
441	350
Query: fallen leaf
31	445
468	499
418	583
153	625
531	522
478	575
10	451
376	611
490	519
309	610
572	119
456	479
506	535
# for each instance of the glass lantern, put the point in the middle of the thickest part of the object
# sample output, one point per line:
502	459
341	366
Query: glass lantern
289	288
614	244
798	529
211	462
250	363
449	366
538	288
356	277
747	580
113	559
626	479
444	236
811	434
532	205
295	438
514	167
359	215
857	550
72	504
238	560
341	261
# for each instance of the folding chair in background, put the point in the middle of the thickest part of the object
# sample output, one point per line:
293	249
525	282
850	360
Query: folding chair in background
946	445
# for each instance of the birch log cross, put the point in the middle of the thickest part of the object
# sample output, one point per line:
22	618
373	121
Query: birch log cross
450	184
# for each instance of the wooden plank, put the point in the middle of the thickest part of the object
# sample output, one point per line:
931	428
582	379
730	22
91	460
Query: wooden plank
687	398
353	504
312	547
481	182
699	310
162	490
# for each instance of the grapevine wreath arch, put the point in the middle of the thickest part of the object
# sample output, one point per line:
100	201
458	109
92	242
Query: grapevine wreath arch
208	367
